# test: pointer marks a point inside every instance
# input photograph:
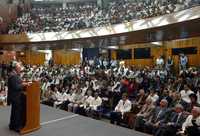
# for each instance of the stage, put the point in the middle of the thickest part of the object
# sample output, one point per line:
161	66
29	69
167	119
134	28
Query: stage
56	122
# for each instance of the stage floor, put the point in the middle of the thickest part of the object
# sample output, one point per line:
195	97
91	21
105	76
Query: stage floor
56	122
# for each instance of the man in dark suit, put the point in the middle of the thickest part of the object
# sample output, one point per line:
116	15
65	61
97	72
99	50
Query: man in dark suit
172	123
156	117
15	89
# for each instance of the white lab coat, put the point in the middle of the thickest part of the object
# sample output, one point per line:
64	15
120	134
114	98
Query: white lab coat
123	106
188	122
95	103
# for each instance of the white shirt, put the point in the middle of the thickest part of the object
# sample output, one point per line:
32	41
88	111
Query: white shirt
115	88
87	101
123	106
125	71
58	96
84	90
3	96
87	69
95	103
198	97
113	63
159	61
183	60
71	97
188	122
105	63
45	86
185	95
66	96
61	98
91	62
154	98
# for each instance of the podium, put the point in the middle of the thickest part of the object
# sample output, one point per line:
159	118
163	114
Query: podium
32	108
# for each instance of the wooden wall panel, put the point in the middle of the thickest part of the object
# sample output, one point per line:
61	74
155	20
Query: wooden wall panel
66	57
155	52
165	50
14	38
113	55
31	57
7	56
192	42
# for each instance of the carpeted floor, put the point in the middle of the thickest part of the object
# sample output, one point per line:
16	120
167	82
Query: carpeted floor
60	123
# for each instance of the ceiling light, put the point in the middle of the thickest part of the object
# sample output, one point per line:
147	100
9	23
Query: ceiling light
113	47
76	49
156	43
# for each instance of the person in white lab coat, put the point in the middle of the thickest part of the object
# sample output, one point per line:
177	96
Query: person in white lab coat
86	101
123	106
95	103
191	126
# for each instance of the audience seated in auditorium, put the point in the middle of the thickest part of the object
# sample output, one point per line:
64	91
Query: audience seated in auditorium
74	16
153	97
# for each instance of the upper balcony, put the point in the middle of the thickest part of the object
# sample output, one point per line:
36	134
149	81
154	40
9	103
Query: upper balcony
176	25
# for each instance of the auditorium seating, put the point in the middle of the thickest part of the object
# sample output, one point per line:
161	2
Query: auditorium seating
75	16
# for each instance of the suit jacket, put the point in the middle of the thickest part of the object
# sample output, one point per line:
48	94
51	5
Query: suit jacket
146	110
15	88
179	86
158	114
176	119
141	99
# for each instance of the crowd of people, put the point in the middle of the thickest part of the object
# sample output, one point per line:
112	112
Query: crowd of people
151	100
75	16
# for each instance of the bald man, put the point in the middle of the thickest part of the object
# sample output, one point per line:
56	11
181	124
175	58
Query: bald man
191	126
15	89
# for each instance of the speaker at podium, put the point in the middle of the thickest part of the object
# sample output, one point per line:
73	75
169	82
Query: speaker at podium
32	108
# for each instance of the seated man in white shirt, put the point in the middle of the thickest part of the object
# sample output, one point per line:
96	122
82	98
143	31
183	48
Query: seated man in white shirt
61	98
57	97
76	101
94	105
185	93
85	106
191	126
3	96
123	106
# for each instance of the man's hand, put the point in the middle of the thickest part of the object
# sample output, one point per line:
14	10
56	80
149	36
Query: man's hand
26	83
118	110
157	124
170	123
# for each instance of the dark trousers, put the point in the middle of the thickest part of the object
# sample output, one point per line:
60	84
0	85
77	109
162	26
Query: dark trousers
116	96
81	111
64	105
193	131
149	128
16	118
115	117
49	102
18	112
166	131
139	123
